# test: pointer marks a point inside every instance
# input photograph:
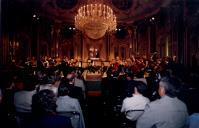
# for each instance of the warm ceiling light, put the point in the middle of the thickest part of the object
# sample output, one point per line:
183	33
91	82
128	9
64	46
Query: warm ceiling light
95	20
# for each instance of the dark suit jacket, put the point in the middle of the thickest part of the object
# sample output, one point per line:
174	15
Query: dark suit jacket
76	92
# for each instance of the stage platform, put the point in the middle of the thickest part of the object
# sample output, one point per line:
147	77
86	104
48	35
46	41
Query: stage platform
95	62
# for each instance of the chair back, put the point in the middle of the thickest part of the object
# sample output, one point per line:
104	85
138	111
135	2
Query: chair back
134	114
137	110
22	119
127	123
74	117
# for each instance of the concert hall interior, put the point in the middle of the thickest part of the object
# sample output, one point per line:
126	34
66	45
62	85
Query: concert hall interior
92	56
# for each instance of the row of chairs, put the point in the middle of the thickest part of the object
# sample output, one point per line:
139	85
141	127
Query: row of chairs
23	118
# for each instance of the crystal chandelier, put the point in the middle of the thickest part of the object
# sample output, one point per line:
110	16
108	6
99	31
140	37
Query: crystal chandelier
95	20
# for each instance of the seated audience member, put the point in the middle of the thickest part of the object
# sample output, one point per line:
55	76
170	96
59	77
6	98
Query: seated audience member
166	112
193	121
47	83
74	91
133	106
79	82
23	98
44	112
66	103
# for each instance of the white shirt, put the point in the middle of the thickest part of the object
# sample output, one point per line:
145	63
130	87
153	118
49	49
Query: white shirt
23	100
136	102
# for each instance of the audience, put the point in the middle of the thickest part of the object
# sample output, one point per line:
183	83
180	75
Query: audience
66	103
47	82
166	112
79	82
23	98
44	112
133	107
74	91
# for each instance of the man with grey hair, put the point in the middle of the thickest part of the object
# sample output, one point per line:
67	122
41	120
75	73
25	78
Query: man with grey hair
166	112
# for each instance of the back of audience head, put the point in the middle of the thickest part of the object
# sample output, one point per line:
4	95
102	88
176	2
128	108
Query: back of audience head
70	77
30	82
169	86
136	87
79	74
18	82
44	103
141	87
63	89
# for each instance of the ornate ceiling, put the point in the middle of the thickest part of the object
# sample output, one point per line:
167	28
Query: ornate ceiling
127	11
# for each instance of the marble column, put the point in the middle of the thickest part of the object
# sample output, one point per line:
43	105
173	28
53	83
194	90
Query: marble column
55	41
130	42
149	41
135	39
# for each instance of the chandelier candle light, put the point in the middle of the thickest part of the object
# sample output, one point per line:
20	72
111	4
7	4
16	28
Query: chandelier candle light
95	20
